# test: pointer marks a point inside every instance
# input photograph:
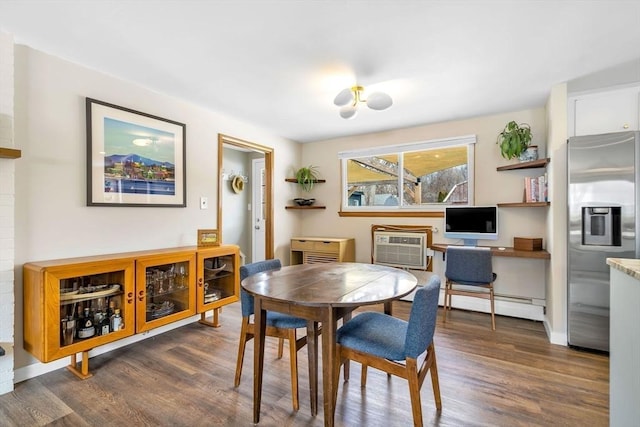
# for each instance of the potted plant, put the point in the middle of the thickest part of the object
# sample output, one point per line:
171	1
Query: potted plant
514	141
307	177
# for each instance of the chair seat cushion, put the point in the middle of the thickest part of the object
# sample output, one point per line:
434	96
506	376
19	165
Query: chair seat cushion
375	333
284	321
468	283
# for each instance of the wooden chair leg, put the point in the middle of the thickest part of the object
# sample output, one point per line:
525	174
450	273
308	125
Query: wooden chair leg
244	337
444	309
293	355
414	391
363	376
280	347
493	316
435	382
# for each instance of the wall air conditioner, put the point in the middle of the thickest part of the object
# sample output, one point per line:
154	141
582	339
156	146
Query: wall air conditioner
400	249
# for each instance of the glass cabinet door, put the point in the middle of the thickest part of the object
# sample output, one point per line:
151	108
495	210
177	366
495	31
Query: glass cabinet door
164	289
218	277
92	305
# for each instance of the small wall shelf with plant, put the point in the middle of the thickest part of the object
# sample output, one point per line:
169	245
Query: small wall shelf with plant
306	177
514	141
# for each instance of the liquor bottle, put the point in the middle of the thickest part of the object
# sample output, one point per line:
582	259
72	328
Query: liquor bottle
85	328
97	318
112	306
101	323
77	316
116	321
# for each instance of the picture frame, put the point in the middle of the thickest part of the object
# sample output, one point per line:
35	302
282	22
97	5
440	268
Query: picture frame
134	158
208	237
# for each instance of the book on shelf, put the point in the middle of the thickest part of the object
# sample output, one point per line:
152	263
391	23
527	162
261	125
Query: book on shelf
535	189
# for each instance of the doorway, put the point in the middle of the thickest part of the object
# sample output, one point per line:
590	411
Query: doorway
249	208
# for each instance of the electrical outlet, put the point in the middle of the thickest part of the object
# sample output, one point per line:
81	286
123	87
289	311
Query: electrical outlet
204	203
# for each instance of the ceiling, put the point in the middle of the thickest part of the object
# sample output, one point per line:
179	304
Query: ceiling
279	64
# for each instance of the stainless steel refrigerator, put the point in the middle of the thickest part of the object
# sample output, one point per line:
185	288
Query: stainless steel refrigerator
602	194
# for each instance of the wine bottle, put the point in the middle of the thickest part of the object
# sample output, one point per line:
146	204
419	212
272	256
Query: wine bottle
86	329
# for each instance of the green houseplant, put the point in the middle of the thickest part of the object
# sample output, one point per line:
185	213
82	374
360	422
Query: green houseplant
307	177
514	139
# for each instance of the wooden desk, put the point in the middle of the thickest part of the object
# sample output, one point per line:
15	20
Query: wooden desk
320	293
507	252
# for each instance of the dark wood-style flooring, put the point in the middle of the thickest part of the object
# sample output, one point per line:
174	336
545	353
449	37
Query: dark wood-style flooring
510	377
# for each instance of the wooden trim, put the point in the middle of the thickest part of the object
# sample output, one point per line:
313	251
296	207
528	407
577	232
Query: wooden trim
394	214
269	165
10	153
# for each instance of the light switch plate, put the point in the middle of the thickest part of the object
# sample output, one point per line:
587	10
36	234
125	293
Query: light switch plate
204	203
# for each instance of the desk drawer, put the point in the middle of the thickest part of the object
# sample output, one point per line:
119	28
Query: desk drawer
314	245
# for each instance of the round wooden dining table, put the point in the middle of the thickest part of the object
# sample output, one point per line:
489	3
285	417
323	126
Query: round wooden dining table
320	293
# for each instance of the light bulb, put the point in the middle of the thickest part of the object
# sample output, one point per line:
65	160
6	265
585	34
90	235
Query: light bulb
344	97
348	111
379	101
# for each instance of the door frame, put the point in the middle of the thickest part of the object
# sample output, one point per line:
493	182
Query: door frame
268	163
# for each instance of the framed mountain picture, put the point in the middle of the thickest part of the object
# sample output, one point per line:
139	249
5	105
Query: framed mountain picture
134	158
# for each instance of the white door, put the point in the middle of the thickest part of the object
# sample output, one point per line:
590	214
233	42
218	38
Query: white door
258	210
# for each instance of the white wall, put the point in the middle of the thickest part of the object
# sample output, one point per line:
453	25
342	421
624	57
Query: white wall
52	219
514	275
7	220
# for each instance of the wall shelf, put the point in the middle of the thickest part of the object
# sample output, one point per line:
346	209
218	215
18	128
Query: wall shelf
524	204
305	207
540	163
506	252
296	181
10	153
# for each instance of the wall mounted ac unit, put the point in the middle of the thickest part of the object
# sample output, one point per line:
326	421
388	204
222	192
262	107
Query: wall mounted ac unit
400	249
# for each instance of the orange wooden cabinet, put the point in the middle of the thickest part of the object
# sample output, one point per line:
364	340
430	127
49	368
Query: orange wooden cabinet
165	290
52	295
218	275
150	289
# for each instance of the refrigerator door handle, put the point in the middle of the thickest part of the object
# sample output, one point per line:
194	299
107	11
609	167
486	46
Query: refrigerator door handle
636	173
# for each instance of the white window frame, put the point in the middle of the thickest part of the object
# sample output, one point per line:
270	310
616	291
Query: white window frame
343	156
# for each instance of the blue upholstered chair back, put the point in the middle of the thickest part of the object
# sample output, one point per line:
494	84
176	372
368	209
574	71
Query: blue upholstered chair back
246	300
422	319
469	264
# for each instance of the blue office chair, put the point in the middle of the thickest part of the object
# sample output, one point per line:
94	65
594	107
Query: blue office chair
279	325
470	267
394	345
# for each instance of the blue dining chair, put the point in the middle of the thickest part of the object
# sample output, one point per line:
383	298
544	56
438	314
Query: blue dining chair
470	267
279	325
394	345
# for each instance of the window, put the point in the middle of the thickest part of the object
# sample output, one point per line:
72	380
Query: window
417	176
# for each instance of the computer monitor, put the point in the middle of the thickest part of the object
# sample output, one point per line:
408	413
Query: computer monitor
471	223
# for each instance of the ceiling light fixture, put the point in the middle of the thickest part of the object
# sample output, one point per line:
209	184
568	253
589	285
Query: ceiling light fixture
349	98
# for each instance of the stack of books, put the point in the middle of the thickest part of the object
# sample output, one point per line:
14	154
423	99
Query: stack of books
535	189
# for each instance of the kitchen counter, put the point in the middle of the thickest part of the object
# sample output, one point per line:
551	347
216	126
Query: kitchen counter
624	345
628	266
